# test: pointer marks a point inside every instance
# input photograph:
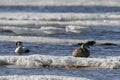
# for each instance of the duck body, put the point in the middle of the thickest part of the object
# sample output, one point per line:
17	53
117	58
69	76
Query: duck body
81	52
20	49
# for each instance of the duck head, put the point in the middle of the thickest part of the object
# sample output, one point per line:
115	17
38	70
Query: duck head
91	43
19	43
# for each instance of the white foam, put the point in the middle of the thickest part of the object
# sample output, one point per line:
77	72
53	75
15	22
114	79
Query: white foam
41	77
38	61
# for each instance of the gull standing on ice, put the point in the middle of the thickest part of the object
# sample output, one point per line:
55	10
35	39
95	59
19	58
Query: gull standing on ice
20	49
82	51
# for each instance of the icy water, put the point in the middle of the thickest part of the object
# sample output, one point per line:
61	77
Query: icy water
106	30
54	9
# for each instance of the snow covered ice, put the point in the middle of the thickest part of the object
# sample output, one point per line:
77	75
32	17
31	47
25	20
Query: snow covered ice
35	77
52	30
39	61
59	19
74	29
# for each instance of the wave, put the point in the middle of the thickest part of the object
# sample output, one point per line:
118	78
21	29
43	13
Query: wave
39	61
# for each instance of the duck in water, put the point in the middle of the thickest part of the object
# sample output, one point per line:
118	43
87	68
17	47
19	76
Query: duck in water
82	51
20	49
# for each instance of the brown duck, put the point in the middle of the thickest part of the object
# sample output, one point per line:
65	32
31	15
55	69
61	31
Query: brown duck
82	51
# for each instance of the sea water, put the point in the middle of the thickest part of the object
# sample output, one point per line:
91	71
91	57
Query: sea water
95	23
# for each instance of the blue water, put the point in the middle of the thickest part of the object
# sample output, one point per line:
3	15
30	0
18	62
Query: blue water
59	9
7	48
88	73
94	33
91	33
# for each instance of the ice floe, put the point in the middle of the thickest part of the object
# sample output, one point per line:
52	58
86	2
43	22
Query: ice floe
59	23
58	16
51	40
19	30
39	61
60	3
74	29
30	31
59	19
39	39
52	30
41	77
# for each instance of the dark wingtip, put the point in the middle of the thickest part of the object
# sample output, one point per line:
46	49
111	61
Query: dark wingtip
27	51
89	43
109	44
